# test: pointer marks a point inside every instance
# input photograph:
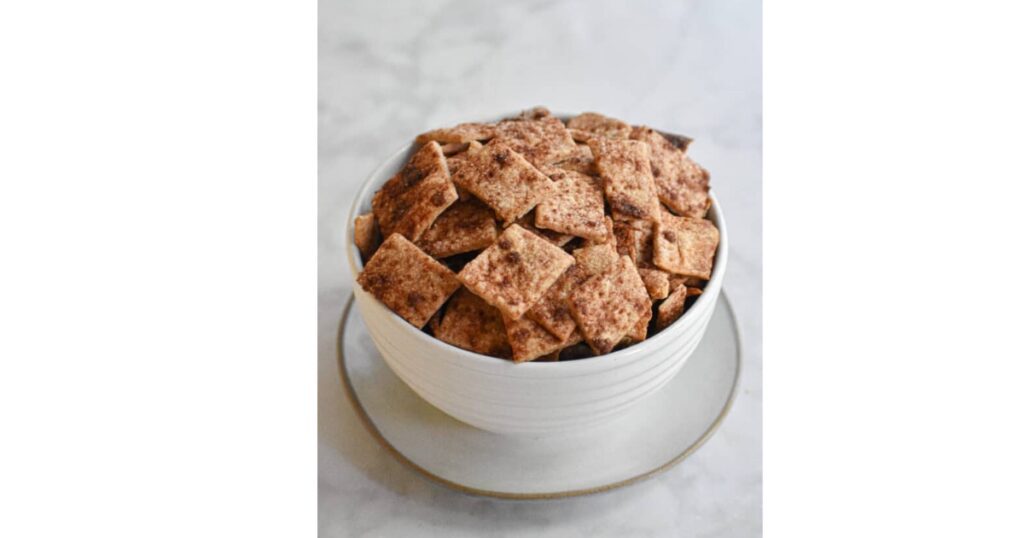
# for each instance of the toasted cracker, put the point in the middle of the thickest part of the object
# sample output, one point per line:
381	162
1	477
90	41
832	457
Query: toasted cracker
516	271
410	201
635	239
551	236
575	207
607	306
609	235
534	113
625	168
690	282
693	292
552	309
456	160
407	280
639	331
582	161
596	259
656	281
455	148
463	227
463	132
503	179
685	246
598	124
541	141
365	235
472	324
671	308
682	183
529	340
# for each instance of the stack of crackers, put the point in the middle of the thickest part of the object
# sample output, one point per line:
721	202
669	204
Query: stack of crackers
538	239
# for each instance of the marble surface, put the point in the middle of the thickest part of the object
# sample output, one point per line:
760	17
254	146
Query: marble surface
389	70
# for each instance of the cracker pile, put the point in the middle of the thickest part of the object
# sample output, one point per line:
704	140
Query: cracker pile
538	239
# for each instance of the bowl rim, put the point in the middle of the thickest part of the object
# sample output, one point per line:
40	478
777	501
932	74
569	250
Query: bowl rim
626	354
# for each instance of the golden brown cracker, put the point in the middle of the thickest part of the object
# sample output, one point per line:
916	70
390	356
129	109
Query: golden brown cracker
656	281
541	141
551	236
529	340
596	259
463	227
365	235
516	271
582	161
575	207
625	168
682	183
598	124
552	309
463	132
607	306
410	201
671	308
685	246
407	280
472	324
503	180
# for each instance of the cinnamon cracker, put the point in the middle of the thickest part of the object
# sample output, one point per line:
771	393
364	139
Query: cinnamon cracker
609	235
682	183
596	259
502	179
541	141
461	133
552	310
582	161
472	324
607	306
407	280
575	207
516	271
530	341
671	308
457	159
636	240
639	331
551	236
625	168
685	246
463	227
656	281
365	235
598	124
410	201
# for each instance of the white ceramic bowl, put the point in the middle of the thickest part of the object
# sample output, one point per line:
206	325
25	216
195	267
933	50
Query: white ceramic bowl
534	397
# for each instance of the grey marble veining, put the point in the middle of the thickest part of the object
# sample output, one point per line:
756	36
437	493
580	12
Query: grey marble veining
389	70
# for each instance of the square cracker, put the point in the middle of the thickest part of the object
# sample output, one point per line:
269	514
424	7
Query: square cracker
541	141
685	246
410	201
575	207
607	306
530	341
671	308
598	124
472	324
516	271
502	179
636	240
682	183
463	227
463	132
551	236
596	259
456	159
609	235
625	168
365	235
407	280
656	281
582	161
639	331
552	310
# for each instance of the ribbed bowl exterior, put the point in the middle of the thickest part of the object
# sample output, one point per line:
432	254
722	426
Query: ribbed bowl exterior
530	398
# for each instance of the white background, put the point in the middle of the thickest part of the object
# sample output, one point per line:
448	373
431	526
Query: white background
390	71
157	201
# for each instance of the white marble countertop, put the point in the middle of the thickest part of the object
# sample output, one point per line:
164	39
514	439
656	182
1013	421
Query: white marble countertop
390	70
